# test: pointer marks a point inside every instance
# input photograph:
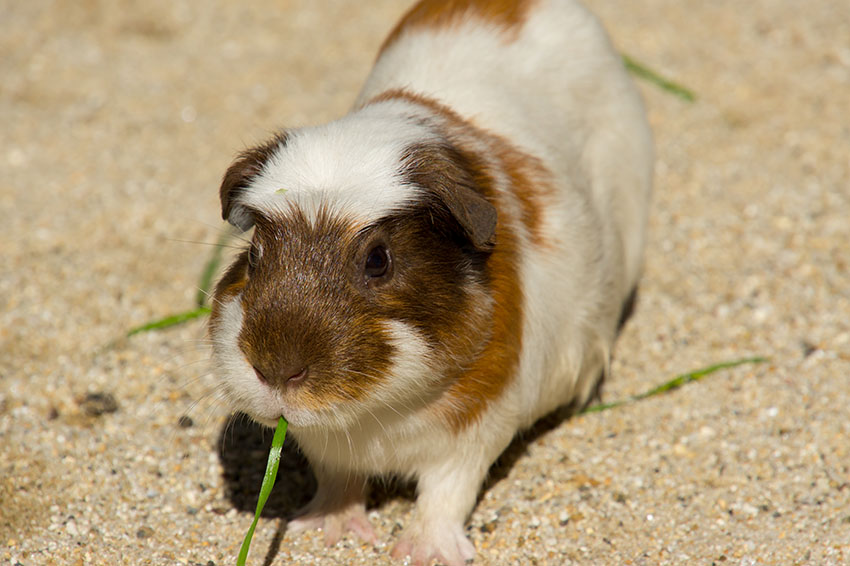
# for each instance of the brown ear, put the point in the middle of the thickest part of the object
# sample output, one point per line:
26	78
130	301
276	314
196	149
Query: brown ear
459	182
239	176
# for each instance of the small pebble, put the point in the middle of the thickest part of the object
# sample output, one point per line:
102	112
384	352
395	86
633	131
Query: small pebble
71	528
489	527
98	403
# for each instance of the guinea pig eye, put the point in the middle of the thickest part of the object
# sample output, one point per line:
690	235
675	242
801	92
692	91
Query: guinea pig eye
377	262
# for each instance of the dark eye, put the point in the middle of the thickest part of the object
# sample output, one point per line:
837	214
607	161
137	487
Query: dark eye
377	262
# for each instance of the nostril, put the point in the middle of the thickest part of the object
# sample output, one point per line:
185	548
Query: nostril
260	375
297	377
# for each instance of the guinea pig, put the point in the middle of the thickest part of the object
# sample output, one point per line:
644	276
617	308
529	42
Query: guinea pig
442	266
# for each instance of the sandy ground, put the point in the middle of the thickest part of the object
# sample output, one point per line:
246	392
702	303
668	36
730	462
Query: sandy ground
118	120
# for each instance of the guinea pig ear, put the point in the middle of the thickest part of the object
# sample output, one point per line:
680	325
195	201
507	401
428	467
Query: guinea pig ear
474	213
458	182
239	177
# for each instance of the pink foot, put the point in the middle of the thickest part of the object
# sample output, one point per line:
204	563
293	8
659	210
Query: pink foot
335	523
447	544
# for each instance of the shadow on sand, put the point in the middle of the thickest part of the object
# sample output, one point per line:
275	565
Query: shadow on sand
244	447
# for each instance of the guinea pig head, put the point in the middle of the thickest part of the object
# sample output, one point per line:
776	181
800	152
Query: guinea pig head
330	316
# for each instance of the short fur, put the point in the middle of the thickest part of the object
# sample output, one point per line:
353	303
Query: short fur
442	266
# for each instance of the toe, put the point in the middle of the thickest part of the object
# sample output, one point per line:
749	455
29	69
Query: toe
304	523
361	526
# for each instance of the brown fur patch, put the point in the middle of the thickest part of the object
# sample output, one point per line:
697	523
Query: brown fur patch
470	391
531	183
438	287
304	308
484	381
505	14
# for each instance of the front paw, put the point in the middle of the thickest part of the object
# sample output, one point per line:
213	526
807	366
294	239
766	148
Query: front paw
445	543
335	522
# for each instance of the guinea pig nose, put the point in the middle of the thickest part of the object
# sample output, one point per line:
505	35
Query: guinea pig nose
288	375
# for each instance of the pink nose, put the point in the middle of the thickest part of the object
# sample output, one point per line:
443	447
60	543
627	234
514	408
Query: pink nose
291	376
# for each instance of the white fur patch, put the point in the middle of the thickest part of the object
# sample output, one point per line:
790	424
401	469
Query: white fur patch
350	166
409	377
244	391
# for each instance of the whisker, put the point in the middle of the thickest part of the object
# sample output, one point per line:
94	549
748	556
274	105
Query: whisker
200	243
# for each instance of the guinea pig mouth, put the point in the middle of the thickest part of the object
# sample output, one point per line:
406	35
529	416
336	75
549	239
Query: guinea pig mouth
289	394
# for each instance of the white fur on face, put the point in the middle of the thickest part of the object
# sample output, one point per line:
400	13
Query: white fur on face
244	390
350	166
410	374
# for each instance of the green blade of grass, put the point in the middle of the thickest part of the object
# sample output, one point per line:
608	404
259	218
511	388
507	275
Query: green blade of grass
204	286
169	321
266	487
674	383
599	407
695	375
210	269
644	72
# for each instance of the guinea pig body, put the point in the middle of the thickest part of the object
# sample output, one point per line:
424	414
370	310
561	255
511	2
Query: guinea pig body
442	266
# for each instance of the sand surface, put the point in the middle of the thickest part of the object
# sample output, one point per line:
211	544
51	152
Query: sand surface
118	120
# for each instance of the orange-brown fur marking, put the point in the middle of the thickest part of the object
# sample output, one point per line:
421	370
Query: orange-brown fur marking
484	380
435	14
530	181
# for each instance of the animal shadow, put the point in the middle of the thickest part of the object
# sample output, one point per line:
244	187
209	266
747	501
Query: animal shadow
243	451
244	447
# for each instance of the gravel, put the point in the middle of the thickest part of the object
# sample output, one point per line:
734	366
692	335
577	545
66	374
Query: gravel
118	121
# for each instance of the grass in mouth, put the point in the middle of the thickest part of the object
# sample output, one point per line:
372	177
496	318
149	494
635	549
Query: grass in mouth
265	488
